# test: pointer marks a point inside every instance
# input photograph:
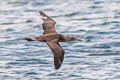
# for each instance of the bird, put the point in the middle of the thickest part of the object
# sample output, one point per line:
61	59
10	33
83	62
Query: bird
53	39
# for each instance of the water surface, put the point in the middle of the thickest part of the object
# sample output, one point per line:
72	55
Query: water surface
96	58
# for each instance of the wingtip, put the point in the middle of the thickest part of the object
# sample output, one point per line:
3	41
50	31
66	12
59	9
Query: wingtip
56	68
40	12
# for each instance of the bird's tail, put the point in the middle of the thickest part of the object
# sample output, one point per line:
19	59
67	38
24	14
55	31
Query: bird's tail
29	39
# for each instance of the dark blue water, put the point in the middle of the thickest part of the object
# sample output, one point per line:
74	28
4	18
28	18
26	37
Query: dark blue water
96	58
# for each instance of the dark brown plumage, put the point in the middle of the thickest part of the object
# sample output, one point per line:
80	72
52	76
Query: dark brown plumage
52	38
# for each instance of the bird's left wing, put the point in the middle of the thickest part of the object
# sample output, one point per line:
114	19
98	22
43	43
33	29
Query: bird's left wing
48	24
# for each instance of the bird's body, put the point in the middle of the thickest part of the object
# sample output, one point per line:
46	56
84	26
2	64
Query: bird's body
52	38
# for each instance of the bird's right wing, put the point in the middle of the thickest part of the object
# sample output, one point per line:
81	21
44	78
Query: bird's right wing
48	24
58	53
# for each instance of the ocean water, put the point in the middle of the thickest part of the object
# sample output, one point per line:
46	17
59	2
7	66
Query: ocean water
97	22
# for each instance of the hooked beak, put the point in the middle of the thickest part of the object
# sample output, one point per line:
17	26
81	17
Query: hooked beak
77	39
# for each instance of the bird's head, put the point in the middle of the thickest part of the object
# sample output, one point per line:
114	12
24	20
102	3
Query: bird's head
70	38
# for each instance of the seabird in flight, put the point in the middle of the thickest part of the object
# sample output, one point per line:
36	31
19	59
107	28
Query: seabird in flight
52	38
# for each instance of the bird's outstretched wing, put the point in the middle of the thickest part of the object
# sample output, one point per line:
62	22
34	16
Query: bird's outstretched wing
48	24
58	53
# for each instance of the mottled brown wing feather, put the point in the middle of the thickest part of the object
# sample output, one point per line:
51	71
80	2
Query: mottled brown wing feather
48	24
58	52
